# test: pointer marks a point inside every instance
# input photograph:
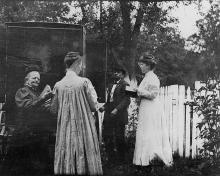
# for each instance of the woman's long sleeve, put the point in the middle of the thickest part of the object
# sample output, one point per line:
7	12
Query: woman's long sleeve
24	100
149	92
91	95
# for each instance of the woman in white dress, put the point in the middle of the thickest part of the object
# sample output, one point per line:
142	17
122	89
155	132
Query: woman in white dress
152	139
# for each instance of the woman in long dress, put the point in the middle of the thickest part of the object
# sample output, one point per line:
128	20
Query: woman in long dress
152	139
77	147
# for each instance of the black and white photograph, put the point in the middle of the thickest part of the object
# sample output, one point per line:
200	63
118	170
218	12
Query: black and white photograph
110	88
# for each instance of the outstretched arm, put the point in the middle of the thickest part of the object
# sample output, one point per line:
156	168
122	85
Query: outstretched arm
24	100
150	91
91	95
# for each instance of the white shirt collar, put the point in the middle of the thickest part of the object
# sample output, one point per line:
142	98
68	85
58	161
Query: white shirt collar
118	81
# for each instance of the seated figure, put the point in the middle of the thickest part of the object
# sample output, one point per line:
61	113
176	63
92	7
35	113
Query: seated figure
34	123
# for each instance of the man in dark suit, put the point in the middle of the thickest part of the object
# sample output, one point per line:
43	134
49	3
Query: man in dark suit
116	117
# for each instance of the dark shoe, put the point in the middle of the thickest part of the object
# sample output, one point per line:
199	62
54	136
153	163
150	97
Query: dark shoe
138	170
147	169
39	166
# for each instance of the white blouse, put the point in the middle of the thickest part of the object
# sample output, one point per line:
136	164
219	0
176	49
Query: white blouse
149	87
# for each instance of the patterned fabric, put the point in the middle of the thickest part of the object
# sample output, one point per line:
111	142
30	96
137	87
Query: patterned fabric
152	135
77	147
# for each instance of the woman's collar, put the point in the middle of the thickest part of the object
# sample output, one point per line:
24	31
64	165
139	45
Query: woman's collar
148	73
70	72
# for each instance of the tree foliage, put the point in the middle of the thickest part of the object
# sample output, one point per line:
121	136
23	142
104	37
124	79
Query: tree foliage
167	45
24	10
207	41
129	28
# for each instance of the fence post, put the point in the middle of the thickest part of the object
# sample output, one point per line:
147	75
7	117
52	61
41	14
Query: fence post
174	99
187	124
170	113
181	119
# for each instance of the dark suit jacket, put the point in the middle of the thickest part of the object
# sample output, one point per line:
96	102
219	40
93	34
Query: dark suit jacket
120	101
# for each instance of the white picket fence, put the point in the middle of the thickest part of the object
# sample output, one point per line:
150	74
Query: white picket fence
181	119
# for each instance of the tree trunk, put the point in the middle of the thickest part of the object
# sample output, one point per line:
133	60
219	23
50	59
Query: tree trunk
131	36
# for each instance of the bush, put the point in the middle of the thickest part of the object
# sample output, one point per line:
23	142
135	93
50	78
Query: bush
132	122
207	105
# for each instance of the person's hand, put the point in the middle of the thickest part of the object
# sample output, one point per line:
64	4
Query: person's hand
101	109
46	105
46	95
47	88
135	89
114	112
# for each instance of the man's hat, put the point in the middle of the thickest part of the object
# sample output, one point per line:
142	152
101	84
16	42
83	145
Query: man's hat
147	58
30	68
119	68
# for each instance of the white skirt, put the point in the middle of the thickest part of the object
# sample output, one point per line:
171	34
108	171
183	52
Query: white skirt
152	138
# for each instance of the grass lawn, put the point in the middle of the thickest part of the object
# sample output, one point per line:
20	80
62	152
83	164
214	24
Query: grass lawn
181	167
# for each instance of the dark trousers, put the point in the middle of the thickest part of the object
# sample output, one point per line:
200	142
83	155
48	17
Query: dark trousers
114	137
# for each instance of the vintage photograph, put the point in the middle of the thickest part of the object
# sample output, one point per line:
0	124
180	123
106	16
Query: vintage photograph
110	88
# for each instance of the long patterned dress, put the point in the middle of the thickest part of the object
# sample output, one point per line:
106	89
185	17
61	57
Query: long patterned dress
152	135
77	148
